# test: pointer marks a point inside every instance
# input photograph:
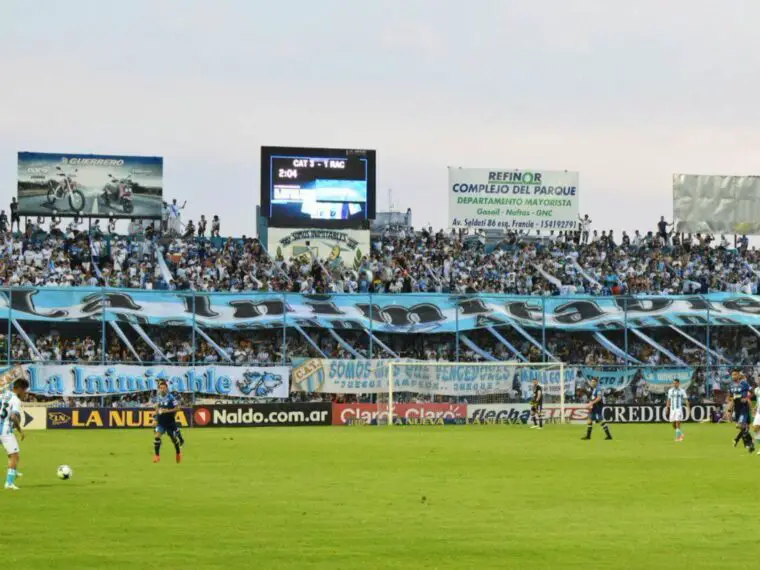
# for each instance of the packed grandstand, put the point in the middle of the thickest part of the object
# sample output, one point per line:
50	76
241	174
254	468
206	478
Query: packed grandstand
402	260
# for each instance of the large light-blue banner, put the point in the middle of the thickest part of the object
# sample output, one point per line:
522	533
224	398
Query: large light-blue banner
411	313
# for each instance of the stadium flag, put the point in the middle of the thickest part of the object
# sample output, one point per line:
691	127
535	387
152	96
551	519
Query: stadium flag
347	347
84	381
583	272
115	326
546	275
381	344
651	342
699	344
506	343
92	259
614	349
476	349
220	351
380	313
310	341
165	273
143	335
362	376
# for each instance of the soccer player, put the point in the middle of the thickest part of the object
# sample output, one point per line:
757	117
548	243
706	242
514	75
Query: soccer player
674	407
739	405
166	421
596	405
756	421
537	406
10	420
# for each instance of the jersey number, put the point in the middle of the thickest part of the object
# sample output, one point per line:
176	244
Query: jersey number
4	410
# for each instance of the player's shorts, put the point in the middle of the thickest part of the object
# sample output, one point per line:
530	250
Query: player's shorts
741	416
168	429
676	415
10	443
536	408
596	415
756	422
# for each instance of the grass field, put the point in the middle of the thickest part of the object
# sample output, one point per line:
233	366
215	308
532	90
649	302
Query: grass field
382	497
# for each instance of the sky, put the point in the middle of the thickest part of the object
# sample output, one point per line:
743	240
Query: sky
626	93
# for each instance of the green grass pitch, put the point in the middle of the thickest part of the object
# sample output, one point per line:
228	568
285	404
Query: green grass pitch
384	497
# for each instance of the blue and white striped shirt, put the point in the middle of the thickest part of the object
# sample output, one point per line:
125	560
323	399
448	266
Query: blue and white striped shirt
9	405
676	398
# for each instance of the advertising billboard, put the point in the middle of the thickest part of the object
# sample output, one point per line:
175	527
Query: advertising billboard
527	200
89	185
264	415
317	187
716	204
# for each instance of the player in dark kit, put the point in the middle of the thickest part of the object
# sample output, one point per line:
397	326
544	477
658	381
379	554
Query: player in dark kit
739	405
596	405
537	406
166	422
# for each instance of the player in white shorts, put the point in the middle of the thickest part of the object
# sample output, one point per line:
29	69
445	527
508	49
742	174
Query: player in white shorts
676	400
10	421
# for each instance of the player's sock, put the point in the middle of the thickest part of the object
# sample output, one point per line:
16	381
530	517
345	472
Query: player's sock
533	417
606	429
540	421
738	437
678	432
157	447
180	437
177	445
588	431
10	478
748	443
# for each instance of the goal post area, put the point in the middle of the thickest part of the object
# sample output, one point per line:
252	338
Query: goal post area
480	393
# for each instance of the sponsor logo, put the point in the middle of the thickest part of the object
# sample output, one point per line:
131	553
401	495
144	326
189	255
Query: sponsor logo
520	413
201	417
260	384
58	419
108	418
348	414
655	414
264	415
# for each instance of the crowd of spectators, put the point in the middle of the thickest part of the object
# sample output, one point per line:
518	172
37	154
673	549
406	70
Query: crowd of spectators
172	255
401	260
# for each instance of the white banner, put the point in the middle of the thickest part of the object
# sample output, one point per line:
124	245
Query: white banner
717	204
86	381
549	378
348	246
513	199
372	377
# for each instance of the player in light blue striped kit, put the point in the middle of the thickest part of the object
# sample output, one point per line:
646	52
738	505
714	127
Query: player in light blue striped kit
676	400
10	421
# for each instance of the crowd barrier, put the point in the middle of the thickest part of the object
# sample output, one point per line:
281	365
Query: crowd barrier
326	414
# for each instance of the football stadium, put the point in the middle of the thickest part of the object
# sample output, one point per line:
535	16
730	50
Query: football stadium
252	316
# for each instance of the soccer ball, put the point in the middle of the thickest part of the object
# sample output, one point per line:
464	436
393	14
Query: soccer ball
64	472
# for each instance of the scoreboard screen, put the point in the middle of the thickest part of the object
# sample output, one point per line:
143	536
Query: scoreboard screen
303	187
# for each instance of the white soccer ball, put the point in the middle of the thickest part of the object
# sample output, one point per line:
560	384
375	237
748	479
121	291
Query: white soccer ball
65	472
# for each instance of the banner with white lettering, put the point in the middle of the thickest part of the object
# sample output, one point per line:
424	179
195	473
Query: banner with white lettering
658	379
527	200
373	377
84	381
548	378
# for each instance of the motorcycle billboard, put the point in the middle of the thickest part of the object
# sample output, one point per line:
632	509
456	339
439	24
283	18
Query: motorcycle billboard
89	185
